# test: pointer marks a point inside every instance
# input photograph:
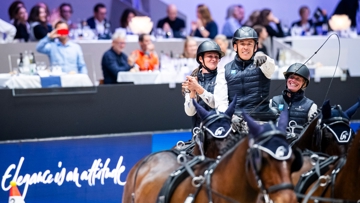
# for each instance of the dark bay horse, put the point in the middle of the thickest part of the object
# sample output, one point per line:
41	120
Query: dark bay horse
341	182
214	131
329	131
260	163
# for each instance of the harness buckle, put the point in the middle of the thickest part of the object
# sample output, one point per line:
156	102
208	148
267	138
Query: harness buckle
181	159
324	180
180	145
197	181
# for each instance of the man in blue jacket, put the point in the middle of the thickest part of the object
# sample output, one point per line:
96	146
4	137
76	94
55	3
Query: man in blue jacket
114	60
247	76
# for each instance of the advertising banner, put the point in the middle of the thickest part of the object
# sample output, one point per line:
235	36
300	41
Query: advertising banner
87	170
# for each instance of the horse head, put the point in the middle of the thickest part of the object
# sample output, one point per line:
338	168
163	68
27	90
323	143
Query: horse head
214	129
334	132
272	159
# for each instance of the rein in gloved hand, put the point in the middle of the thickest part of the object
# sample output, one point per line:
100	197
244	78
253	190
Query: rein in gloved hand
259	58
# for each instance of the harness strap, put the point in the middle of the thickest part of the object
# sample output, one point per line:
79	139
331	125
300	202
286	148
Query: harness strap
310	177
325	199
282	186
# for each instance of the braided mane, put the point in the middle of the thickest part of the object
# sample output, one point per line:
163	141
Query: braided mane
233	139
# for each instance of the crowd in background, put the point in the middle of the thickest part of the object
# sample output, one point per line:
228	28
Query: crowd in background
41	25
40	21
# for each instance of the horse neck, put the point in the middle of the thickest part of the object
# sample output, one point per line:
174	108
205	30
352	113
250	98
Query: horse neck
232	169
306	140
353	158
348	179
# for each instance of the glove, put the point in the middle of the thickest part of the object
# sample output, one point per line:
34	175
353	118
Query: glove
259	58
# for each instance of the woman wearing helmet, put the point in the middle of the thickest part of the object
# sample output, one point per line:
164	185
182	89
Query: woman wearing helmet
293	98
247	76
200	84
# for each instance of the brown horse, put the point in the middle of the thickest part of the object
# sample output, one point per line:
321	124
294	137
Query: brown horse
329	132
260	163
332	136
214	139
342	180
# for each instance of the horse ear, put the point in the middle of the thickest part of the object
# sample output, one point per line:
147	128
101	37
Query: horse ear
254	128
326	109
200	110
283	120
231	109
350	112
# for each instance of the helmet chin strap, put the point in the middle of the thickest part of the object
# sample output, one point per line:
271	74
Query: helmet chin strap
204	66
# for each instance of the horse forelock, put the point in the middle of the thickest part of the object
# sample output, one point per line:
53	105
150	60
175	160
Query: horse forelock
232	140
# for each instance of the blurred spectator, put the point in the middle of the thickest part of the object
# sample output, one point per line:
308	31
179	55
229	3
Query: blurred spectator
61	51
262	36
66	11
125	20
48	14
305	25
114	60
145	59
190	47
232	22
172	23
350	8
242	14
8	30
12	8
39	26
266	17
205	26
253	18
99	23
230	54
21	24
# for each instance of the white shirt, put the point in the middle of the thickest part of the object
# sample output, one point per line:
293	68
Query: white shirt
9	30
206	96
221	88
100	26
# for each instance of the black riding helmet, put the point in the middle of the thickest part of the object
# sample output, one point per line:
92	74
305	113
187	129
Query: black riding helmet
245	32
300	70
208	46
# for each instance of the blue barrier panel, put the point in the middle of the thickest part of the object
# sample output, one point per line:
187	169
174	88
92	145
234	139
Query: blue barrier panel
163	141
90	170
355	125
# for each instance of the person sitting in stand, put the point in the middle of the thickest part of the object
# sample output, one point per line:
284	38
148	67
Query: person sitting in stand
125	20
263	35
99	23
62	51
66	11
11	11
293	98
200	84
8	30
146	58
172	23
115	60
265	18
21	24
39	26
232	22
223	42
205	26
190	47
